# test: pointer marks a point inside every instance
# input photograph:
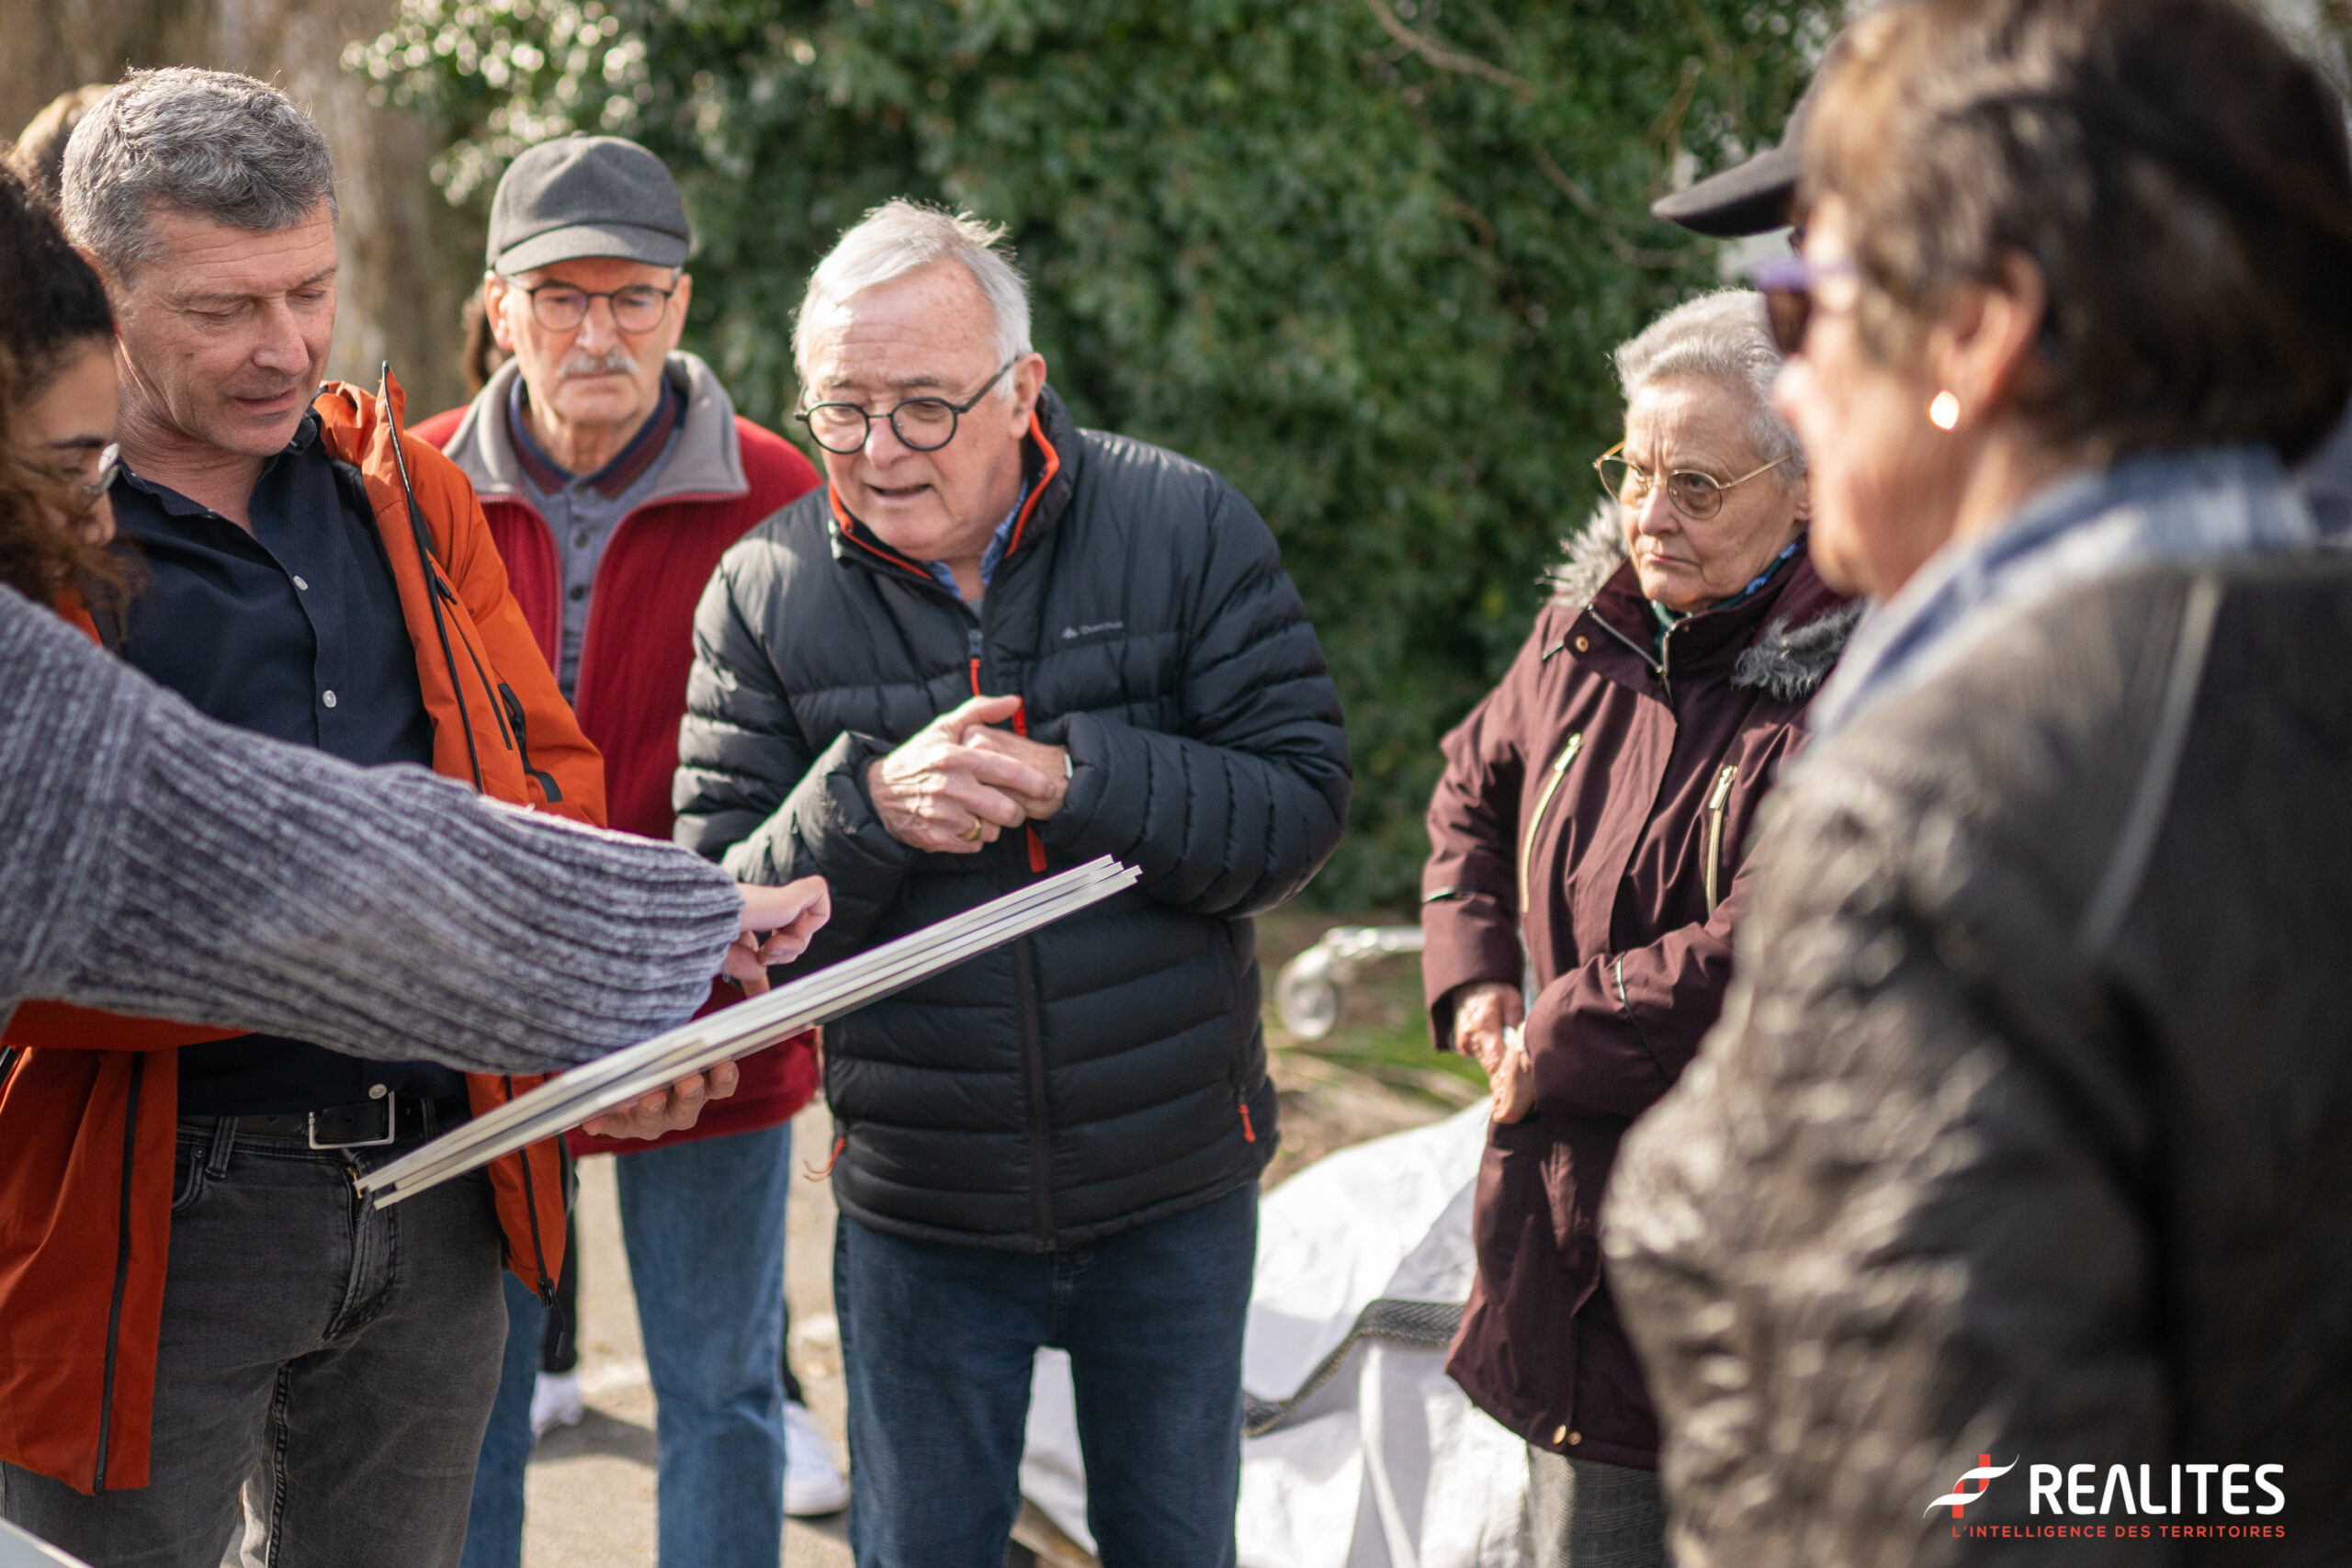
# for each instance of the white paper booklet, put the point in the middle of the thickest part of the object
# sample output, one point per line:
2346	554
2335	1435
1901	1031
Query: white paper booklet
565	1101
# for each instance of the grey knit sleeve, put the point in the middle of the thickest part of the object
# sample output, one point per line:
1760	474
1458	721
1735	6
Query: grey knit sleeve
154	861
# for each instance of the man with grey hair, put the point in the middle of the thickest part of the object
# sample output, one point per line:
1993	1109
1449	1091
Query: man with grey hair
313	574
992	644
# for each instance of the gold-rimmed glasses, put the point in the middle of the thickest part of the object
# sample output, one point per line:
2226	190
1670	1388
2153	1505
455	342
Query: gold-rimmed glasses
1696	495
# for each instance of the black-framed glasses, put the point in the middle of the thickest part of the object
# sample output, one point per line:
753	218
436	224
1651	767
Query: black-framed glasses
560	307
1791	285
1695	495
921	424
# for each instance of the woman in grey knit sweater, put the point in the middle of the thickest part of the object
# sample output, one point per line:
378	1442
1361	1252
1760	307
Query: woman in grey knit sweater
154	861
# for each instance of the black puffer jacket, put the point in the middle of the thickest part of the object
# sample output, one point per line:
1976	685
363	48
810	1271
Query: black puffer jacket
2028	1128
1111	1068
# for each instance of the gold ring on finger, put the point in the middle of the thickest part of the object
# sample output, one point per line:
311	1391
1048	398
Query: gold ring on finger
971	835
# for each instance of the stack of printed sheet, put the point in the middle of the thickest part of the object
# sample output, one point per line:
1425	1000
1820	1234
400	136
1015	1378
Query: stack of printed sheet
832	992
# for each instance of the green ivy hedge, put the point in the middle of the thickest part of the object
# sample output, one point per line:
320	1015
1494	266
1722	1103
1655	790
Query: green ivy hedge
1365	257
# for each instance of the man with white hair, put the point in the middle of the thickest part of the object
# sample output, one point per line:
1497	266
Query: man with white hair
995	644
614	472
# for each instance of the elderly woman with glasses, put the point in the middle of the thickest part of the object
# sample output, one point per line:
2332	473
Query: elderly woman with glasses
2011	1196
1588	872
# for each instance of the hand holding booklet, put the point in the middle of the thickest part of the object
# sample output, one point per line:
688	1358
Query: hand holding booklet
565	1101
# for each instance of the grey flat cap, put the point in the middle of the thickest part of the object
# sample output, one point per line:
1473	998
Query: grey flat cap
587	195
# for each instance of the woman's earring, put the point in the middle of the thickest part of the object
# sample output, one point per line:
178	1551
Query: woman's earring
1944	411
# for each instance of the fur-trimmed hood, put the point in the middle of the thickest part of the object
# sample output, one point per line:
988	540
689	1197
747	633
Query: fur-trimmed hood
1788	660
1588	556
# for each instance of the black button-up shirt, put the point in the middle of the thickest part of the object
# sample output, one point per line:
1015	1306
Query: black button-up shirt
295	630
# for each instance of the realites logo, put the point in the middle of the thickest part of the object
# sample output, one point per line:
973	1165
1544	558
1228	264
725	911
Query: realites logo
2075	1491
1985	1474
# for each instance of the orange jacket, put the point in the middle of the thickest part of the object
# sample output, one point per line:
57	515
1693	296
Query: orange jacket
89	1102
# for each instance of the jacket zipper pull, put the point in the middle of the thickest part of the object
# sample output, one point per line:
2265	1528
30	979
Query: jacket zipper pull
1536	822
559	1319
1037	845
1248	1132
561	1322
547	786
813	1173
1714	851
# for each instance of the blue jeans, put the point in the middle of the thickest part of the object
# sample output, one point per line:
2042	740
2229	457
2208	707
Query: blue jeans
705	1227
939	1342
494	1527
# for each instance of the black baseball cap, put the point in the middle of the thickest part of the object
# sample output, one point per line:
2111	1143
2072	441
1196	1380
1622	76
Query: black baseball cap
1753	198
587	195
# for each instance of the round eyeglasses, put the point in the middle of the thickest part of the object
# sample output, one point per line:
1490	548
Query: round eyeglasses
1695	495
921	424
560	307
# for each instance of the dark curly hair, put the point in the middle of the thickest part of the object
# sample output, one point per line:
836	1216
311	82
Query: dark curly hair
50	305
2178	176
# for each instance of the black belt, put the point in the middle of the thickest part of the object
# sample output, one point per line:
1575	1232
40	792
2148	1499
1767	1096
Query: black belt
364	1123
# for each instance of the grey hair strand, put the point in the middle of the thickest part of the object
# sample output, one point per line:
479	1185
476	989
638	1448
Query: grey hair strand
901	236
212	145
1718	337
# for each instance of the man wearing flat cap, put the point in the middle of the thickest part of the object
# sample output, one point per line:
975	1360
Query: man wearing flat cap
614	473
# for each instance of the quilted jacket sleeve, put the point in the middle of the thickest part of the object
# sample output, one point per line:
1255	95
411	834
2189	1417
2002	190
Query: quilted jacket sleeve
1232	811
752	793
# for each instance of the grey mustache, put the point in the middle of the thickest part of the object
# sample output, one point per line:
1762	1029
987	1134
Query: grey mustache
615	360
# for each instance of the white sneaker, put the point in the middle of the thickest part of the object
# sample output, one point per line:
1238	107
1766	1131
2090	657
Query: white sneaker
813	1484
556	1402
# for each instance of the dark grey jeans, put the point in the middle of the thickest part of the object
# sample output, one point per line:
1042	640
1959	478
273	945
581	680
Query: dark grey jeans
1583	1514
336	1362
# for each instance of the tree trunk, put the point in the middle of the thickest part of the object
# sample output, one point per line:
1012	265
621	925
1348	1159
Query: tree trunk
408	259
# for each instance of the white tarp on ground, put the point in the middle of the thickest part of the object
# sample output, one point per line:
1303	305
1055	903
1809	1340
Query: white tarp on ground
1386	1465
20	1549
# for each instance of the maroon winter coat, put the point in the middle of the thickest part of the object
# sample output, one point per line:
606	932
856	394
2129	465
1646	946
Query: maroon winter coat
1616	784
